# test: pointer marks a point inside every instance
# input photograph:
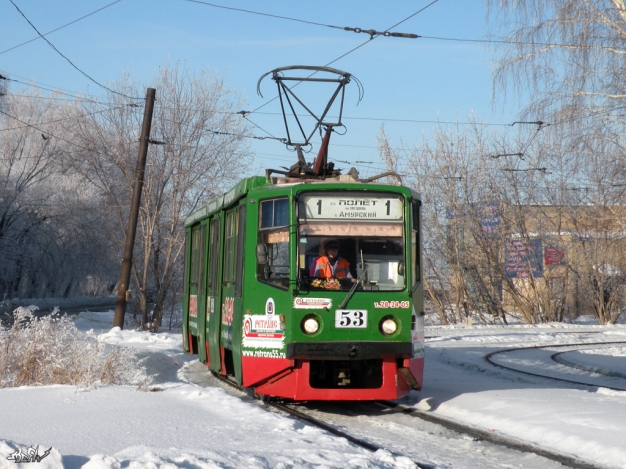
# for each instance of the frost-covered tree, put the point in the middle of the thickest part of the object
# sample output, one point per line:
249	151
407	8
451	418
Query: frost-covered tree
567	57
203	151
483	205
569	53
44	247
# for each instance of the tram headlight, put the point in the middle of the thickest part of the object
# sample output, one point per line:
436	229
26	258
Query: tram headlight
388	326
310	325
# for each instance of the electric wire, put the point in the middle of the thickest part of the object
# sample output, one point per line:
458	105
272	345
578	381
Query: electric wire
263	130
49	88
514	42
76	97
312	23
217	132
222	132
411	16
57	98
352	50
61	27
371	32
67	59
363	146
243	10
503	41
56	121
44	131
571	119
383	33
366	118
280	139
382	119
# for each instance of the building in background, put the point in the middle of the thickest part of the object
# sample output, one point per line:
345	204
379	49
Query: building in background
545	262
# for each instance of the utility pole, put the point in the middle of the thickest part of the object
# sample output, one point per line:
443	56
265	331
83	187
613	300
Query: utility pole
127	262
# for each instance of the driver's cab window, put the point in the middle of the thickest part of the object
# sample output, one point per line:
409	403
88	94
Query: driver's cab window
384	263
377	262
273	242
351	237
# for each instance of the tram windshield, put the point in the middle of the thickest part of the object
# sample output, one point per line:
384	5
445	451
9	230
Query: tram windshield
344	238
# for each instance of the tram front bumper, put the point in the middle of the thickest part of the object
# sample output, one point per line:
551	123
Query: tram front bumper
348	371
355	350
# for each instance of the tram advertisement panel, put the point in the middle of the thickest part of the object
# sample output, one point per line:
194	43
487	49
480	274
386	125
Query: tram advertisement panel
264	331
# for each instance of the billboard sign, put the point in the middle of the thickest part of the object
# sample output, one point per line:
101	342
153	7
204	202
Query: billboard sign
523	257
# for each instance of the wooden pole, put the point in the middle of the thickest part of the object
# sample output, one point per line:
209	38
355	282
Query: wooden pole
127	262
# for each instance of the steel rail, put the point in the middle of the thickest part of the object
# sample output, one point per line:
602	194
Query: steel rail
491	437
488	359
316	422
445	422
590	369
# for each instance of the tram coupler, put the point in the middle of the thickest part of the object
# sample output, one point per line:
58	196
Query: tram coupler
406	374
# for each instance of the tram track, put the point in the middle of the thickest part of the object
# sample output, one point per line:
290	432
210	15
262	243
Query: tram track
491	437
290	410
460	429
555	357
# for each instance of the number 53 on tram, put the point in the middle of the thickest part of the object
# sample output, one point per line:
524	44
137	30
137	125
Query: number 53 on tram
268	305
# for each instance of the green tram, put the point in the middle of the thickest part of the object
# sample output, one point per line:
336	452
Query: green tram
254	311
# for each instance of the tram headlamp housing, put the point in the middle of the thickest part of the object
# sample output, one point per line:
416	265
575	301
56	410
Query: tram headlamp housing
310	325
388	326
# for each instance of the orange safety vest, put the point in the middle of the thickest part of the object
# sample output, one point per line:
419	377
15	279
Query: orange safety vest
324	270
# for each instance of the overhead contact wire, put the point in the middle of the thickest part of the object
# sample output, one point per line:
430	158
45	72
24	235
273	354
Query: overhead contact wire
352	50
61	27
67	59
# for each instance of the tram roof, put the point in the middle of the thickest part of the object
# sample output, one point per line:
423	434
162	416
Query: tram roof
238	191
246	185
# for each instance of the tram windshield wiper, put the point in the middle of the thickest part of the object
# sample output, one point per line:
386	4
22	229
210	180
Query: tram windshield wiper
356	284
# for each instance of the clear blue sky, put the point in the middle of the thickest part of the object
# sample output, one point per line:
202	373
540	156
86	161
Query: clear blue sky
404	79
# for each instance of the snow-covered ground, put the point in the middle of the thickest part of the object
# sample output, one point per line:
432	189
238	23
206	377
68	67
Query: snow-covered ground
190	426
587	423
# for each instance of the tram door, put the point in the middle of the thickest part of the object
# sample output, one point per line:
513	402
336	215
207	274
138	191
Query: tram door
196	281
232	283
213	292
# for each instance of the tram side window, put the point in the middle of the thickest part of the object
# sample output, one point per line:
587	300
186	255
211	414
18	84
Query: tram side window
193	260
230	244
197	260
214	258
415	243
273	247
241	214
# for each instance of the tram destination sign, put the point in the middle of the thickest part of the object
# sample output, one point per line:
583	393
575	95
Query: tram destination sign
351	207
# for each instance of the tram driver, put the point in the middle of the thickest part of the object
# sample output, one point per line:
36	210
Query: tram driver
331	265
